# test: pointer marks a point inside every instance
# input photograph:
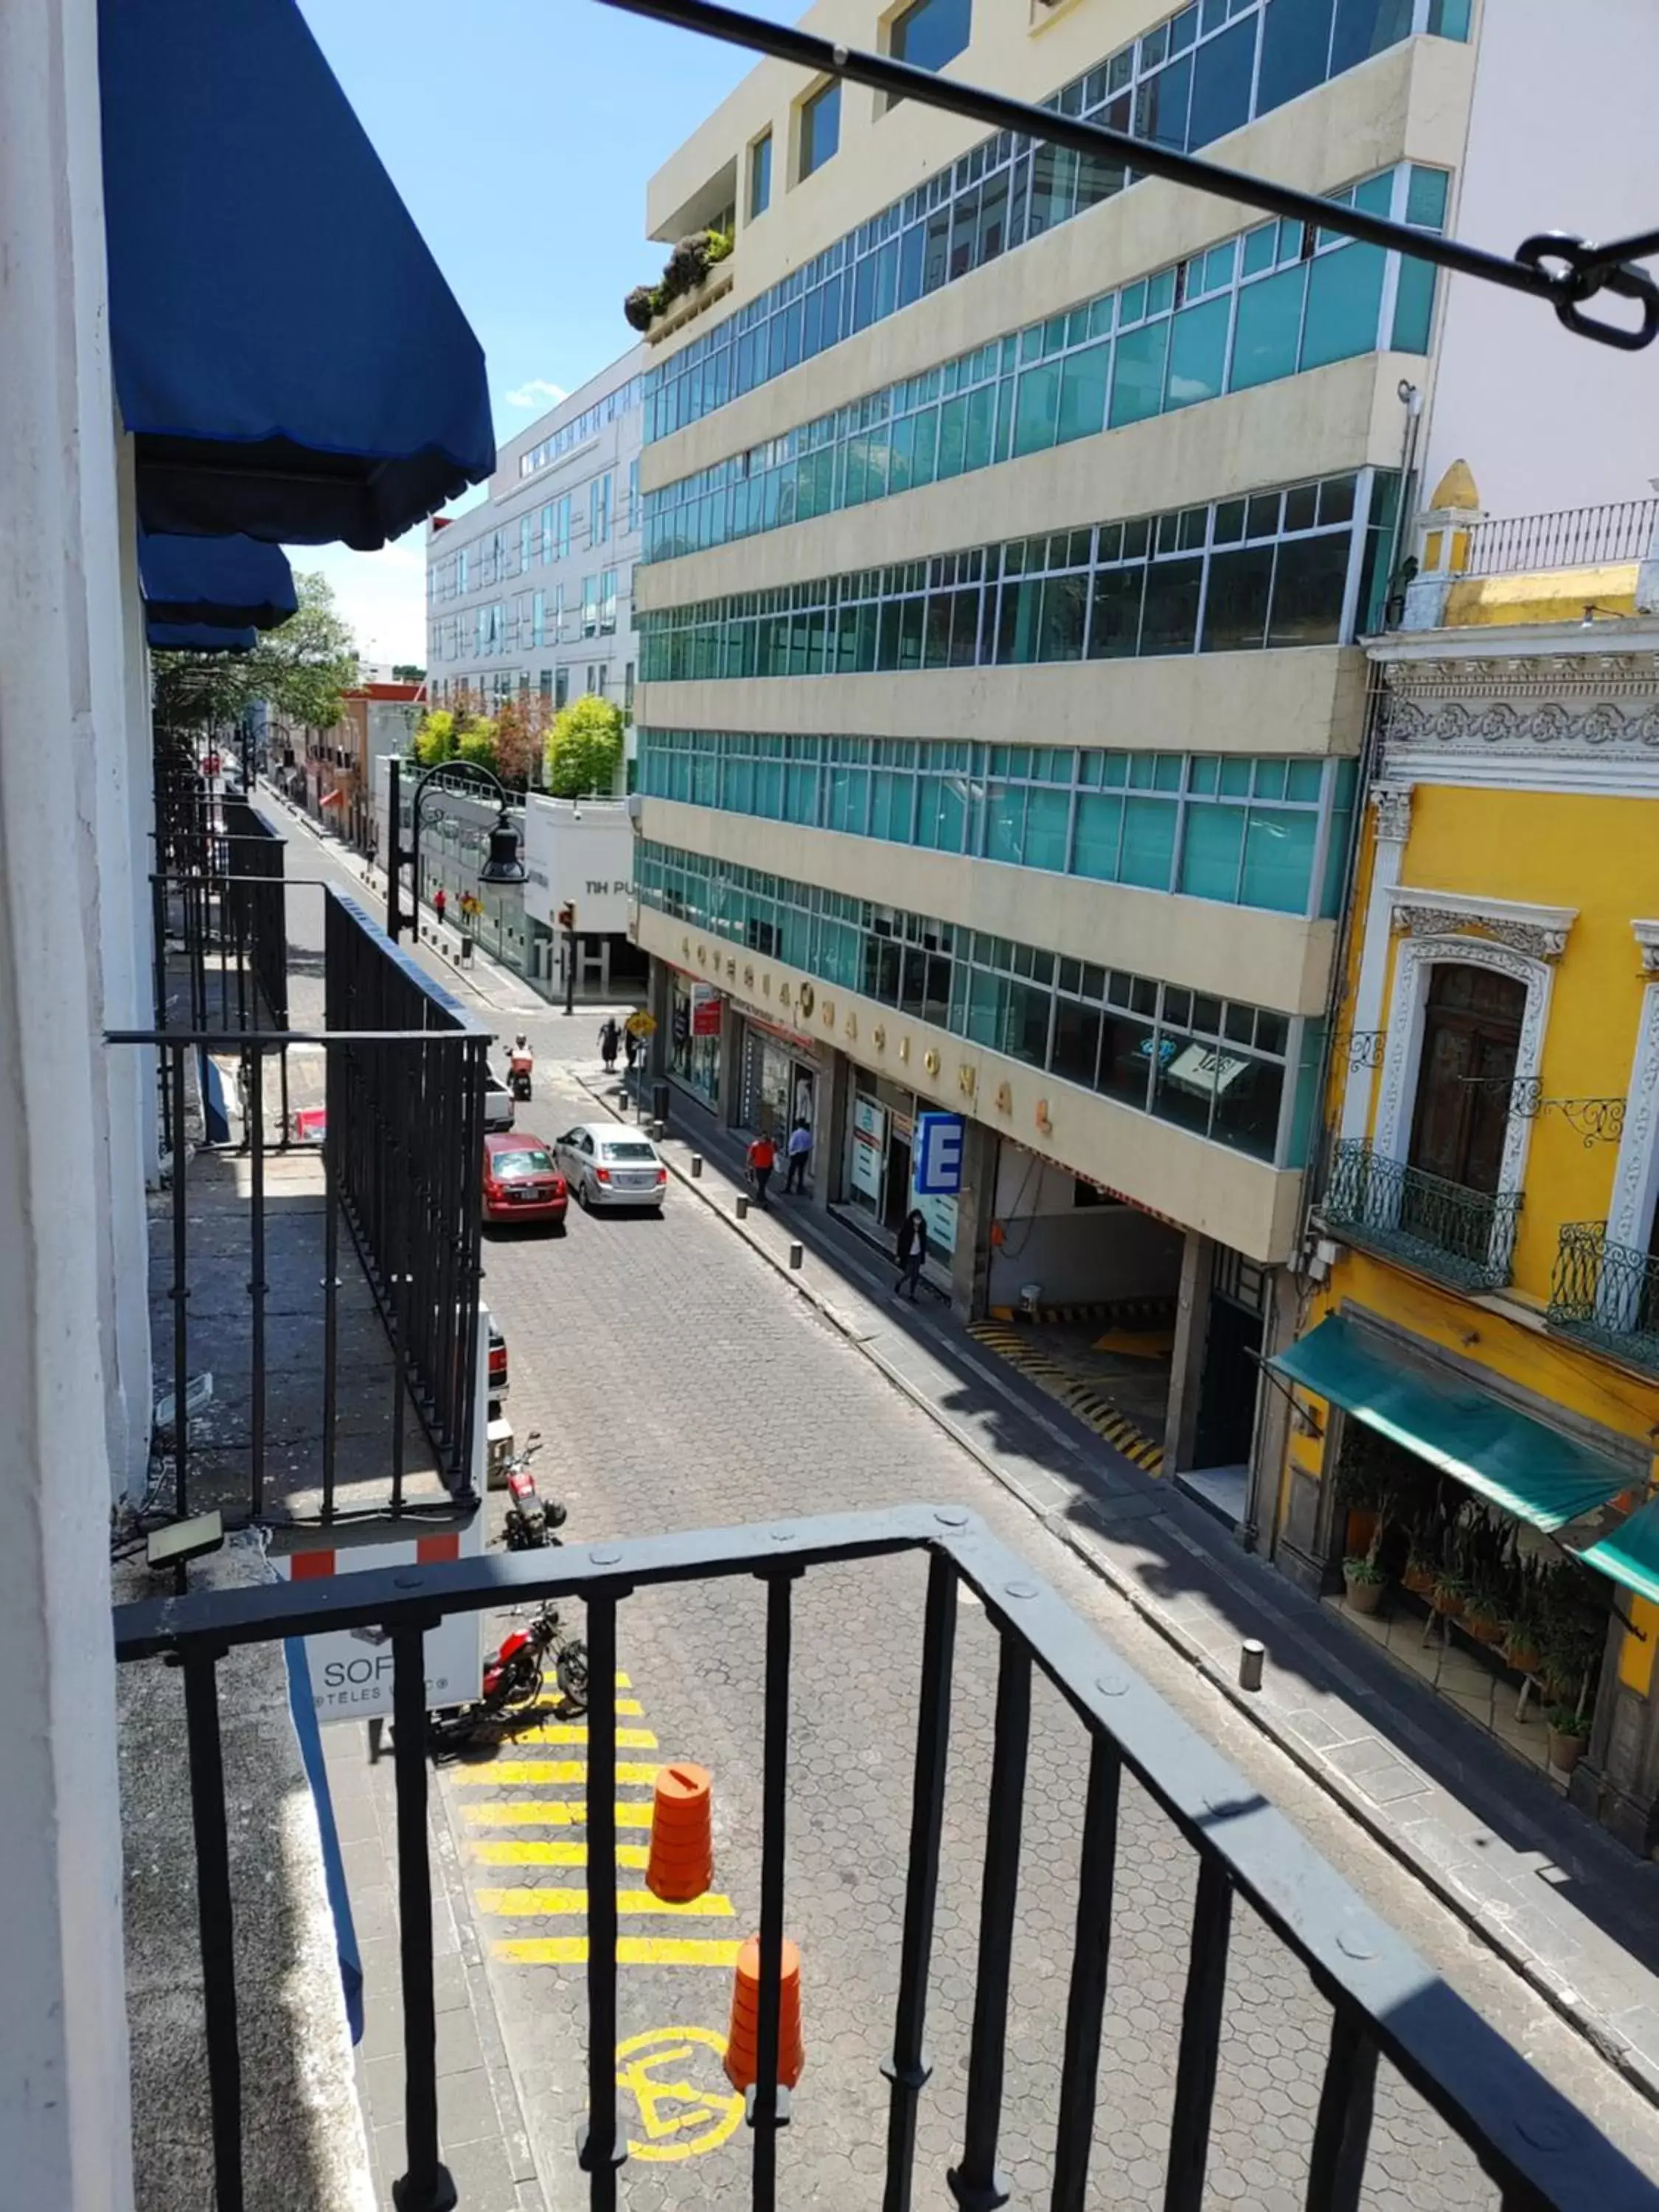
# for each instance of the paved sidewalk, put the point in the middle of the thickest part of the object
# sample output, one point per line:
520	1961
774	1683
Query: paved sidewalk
1567	1906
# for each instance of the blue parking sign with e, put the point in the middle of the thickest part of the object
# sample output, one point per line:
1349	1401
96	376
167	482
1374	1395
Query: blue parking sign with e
938	1155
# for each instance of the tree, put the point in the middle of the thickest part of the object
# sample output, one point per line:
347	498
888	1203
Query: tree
519	737
477	744
434	740
405	672
584	749
300	669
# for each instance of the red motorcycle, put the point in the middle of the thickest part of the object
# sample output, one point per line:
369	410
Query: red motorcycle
512	1684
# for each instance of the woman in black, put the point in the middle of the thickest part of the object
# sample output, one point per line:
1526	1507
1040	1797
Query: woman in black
912	1251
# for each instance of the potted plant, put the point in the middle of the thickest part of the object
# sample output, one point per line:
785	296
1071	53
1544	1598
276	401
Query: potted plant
1450	1593
1491	1557
1569	1733
1523	1620
1364	1580
1363	1488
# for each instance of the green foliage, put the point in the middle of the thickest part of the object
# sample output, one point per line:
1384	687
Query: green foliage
300	670
1362	1567
434	740
686	266
477	744
584	749
405	672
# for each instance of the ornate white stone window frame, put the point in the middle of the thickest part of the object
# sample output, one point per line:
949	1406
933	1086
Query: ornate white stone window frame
1524	942
1635	1177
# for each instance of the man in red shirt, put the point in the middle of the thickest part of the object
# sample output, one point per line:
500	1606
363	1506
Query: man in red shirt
762	1159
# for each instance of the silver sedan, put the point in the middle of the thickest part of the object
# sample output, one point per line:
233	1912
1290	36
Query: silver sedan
607	1164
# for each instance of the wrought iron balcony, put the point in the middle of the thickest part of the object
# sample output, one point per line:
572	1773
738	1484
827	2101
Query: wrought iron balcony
1607	1294
1461	1236
1252	1866
1570	537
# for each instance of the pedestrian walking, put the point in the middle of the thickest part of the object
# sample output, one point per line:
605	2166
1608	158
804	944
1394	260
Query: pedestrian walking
800	1151
912	1251
762	1159
630	1048
440	900
610	1039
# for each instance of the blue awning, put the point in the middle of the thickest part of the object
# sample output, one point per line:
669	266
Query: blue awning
227	583
286	353
197	637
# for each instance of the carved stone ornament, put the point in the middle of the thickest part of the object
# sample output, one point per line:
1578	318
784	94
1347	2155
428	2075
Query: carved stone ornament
1393	803
1583	707
1540	932
1646	934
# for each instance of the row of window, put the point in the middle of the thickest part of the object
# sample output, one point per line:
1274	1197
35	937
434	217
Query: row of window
543	535
554	685
528	619
581	428
1205	72
1266	832
1307	566
1277	299
1243	1076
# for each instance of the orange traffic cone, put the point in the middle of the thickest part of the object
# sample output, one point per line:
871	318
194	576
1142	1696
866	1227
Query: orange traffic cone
681	1865
742	2043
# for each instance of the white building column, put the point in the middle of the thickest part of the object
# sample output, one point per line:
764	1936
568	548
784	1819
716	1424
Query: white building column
1393	805
63	2085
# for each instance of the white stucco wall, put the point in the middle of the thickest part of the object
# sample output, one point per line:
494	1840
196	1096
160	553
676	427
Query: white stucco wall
64	2092
1560	137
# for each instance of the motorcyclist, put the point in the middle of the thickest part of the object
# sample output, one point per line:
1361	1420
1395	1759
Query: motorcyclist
521	1064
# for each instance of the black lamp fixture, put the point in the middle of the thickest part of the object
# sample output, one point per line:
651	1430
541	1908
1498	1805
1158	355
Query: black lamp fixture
503	864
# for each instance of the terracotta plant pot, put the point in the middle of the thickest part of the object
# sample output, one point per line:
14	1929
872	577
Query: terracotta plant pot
1450	1602
1419	1579
1364	1596
1520	1655
1566	1750
1485	1627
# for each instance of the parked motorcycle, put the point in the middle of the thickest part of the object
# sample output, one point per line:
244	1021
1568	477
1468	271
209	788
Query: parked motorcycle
530	1518
513	1681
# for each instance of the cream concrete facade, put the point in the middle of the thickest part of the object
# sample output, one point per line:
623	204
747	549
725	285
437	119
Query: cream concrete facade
1216	1192
1305	701
1266	959
1320	424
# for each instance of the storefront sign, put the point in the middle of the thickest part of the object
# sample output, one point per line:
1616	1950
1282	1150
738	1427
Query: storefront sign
705	1011
938	1155
869	1148
351	1668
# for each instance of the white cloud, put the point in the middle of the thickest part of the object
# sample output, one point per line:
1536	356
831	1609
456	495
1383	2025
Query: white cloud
539	393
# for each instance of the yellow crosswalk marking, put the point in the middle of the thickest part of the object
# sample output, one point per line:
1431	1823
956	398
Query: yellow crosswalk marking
631	1951
570	1855
627	1739
529	1900
551	1812
539	1772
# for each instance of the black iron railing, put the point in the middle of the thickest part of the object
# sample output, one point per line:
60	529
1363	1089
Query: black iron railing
255	860
1572	537
1464	1237
1607	1294
405	1141
1539	2150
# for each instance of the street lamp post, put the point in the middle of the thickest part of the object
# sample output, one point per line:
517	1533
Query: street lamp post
459	779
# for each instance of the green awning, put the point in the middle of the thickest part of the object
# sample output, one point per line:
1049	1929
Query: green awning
1631	1554
1518	1463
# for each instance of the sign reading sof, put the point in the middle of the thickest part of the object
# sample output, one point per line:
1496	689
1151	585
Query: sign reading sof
351	1668
938	1155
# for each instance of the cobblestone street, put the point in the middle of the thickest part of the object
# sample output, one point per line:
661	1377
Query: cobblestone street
679	1383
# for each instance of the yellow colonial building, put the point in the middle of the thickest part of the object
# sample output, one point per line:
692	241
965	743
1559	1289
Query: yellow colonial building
1474	1377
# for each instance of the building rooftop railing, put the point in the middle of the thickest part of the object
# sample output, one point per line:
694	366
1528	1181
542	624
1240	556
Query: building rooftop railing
1572	537
1386	2005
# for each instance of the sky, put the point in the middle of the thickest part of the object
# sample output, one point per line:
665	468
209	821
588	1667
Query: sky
520	134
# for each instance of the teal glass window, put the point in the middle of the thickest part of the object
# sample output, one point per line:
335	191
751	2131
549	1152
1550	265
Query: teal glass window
1083	392
1198	353
1099	831
1138	373
1345	298
1048	823
1037	412
1413	307
1210	852
1278	850
1149	836
1268	335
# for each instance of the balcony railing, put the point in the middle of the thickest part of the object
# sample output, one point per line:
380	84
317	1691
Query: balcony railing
1464	1237
1572	537
1607	1294
1538	2150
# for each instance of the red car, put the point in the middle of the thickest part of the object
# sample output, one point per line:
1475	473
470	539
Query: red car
520	1183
